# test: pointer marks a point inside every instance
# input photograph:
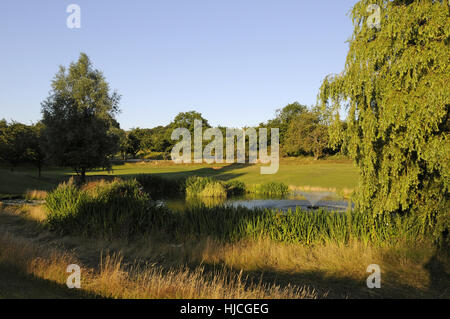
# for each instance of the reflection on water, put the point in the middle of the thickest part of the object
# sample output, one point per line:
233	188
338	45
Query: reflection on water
305	200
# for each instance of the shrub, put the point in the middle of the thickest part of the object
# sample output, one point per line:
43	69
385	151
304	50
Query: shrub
63	204
195	185
209	187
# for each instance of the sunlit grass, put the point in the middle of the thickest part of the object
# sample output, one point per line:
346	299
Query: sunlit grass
111	279
155	266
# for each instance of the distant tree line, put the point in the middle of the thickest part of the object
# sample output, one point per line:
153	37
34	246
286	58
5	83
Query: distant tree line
79	130
20	143
303	132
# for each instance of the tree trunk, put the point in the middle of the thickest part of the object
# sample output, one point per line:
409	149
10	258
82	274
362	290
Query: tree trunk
83	176
39	171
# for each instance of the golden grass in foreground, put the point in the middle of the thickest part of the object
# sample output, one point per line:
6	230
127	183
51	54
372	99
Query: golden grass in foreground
111	280
35	213
332	269
401	265
218	270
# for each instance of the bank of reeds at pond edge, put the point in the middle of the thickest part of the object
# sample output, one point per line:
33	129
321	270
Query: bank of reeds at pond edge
121	209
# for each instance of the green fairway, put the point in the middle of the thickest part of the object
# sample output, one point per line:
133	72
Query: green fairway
325	173
23	179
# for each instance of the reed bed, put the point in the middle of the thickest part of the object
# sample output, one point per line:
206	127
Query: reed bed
107	209
230	224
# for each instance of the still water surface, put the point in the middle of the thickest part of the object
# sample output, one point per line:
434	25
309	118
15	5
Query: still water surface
305	200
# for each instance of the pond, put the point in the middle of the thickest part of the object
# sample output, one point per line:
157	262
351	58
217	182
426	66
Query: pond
305	200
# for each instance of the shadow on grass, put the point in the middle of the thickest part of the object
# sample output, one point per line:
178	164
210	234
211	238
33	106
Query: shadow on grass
13	284
18	182
342	287
220	172
16	285
439	277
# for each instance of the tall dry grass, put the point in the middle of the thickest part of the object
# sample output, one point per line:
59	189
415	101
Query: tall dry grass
405	266
113	280
401	265
342	192
35	194
29	212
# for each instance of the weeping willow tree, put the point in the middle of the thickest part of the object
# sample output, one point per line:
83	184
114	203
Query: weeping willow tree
395	87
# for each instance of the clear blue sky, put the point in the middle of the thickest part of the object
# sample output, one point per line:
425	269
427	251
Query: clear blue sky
235	61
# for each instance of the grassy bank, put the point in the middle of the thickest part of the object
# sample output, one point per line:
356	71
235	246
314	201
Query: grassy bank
129	247
110	276
121	209
157	267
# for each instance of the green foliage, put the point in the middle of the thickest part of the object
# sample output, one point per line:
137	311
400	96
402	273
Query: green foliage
214	190
209	187
186	120
283	118
235	188
159	187
395	85
236	223
63	205
271	189
133	142
79	118
119	209
158	139
20	143
307	134
35	153
195	185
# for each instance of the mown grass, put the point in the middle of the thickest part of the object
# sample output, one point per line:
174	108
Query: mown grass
297	172
24	179
331	174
